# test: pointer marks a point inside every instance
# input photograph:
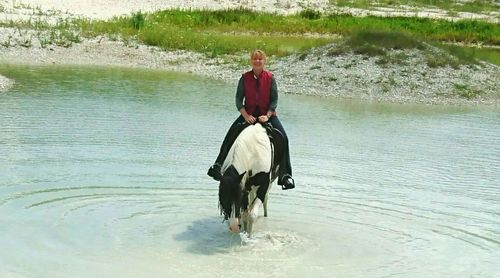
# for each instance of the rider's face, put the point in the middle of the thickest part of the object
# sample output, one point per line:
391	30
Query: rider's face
258	62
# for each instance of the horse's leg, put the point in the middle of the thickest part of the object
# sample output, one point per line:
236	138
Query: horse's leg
252	215
265	206
266	198
249	212
244	221
254	209
234	222
263	190
248	224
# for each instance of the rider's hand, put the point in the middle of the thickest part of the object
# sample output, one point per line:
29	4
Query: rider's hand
250	119
263	118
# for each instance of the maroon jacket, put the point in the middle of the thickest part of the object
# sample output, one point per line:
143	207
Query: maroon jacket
257	94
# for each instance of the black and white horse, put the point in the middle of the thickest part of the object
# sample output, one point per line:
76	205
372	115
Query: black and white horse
247	174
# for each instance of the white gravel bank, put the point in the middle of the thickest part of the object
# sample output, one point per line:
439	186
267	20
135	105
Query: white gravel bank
358	77
103	9
5	84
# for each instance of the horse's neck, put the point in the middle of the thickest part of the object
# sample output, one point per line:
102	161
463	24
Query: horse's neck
251	151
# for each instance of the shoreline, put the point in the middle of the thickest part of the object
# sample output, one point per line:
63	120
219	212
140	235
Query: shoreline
104	52
317	74
348	76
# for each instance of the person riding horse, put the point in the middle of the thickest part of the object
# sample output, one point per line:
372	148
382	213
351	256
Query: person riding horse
256	99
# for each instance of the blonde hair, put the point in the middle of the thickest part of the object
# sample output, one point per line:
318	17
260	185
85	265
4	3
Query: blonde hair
258	52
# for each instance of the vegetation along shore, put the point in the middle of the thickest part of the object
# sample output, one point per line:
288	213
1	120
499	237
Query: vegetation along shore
324	48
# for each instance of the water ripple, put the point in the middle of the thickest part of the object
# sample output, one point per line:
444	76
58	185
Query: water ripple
105	169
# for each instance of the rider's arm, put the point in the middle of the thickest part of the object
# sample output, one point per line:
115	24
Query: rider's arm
273	102
240	95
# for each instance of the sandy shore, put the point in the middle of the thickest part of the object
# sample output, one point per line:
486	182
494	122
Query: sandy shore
104	9
108	8
346	76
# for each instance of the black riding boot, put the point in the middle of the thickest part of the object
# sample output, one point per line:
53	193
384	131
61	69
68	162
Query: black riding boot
286	182
285	170
215	170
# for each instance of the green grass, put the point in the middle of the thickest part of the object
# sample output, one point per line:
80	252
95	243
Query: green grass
378	43
62	33
215	43
476	6
491	55
233	31
137	20
214	33
465	91
385	40
236	31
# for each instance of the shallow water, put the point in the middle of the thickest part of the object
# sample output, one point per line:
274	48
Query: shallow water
102	173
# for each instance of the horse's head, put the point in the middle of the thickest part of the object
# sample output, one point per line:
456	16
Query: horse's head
230	193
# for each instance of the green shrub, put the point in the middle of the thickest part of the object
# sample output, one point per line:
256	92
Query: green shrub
465	91
375	43
384	40
137	20
310	14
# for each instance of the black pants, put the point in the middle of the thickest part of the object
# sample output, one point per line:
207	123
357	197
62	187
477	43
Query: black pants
236	128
